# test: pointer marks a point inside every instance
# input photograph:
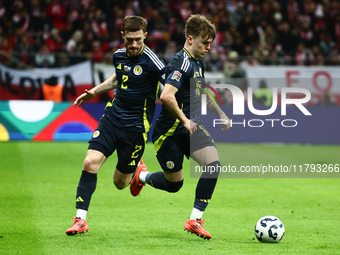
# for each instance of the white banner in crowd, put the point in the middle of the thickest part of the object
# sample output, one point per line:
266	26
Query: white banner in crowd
316	79
27	84
101	72
79	74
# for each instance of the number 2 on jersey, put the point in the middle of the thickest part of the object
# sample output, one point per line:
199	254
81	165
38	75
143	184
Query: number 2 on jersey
125	78
138	148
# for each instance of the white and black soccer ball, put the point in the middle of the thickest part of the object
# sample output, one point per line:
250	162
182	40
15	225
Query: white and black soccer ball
269	229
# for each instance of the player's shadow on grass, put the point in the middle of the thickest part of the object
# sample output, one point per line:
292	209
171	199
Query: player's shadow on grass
177	235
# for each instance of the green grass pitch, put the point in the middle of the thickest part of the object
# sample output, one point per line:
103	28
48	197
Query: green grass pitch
38	183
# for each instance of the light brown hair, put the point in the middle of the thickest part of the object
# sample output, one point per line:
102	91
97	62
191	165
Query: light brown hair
133	24
198	25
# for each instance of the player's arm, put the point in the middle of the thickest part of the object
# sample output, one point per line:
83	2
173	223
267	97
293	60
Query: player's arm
107	85
169	100
211	106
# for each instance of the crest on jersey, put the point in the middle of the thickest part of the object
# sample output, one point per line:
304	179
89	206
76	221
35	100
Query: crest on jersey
127	68
170	164
96	134
196	74
176	76
137	70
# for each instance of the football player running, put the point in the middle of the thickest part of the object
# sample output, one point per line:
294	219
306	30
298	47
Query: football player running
126	120
178	130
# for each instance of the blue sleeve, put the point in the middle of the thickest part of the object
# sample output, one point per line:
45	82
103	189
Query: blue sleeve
174	74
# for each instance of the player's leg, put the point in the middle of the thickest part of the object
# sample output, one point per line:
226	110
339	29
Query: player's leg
204	152
130	149
168	181
121	180
101	146
86	187
88	179
170	157
206	156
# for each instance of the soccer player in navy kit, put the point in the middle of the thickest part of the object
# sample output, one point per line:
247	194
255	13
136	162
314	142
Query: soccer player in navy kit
178	130
127	118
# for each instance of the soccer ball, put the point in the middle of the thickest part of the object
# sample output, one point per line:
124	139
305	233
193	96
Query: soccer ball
269	229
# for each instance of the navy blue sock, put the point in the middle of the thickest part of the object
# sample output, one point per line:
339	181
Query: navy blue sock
158	181
86	187
205	188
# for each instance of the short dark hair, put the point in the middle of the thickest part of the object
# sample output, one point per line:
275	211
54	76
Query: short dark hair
134	23
198	25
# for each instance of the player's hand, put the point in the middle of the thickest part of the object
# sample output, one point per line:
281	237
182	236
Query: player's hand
227	125
83	97
190	126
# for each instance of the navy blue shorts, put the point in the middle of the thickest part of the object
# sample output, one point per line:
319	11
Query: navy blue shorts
170	150
129	145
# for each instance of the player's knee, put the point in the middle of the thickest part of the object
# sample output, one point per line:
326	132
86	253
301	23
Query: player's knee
89	164
120	184
173	187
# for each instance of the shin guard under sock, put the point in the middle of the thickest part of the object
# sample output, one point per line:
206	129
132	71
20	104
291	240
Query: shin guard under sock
205	187
86	187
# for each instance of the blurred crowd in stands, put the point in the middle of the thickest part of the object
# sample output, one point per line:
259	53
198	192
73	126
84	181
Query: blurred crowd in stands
56	33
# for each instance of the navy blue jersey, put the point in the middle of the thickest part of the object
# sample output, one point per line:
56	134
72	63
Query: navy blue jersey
138	82
180	72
